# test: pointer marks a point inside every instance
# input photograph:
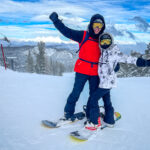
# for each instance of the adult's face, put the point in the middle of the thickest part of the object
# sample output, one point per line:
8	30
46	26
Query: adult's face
96	30
97	27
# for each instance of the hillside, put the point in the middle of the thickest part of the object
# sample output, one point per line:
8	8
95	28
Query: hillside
26	99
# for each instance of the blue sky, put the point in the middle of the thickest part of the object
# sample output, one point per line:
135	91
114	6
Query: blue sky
28	20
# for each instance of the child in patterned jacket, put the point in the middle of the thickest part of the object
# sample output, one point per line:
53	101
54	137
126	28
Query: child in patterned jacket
110	56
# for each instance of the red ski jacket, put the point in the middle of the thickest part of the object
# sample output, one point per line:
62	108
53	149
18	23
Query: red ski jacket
89	51
88	57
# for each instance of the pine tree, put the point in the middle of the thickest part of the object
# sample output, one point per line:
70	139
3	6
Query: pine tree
30	64
40	59
148	49
148	46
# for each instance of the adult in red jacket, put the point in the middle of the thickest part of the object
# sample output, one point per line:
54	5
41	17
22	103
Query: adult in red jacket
86	67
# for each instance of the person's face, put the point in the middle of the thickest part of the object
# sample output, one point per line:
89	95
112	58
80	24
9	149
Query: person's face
97	27
96	30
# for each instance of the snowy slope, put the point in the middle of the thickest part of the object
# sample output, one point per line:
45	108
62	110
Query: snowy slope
26	99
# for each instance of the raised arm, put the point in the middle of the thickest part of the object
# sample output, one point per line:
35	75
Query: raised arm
140	62
67	32
123	57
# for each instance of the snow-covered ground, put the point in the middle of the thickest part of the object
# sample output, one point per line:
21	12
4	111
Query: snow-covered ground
26	99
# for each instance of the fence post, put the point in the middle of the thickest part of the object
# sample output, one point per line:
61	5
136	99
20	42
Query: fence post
3	56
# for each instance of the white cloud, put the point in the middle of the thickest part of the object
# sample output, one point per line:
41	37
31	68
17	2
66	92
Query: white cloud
72	19
143	37
40	18
129	27
121	42
75	14
27	31
39	10
125	40
49	39
84	9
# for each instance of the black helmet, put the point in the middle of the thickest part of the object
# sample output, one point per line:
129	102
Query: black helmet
105	40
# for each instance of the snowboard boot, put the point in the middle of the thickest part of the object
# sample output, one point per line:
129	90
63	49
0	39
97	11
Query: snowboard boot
107	124
64	120
90	126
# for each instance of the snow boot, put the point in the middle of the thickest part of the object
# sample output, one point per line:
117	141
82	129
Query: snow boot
64	120
107	124
90	126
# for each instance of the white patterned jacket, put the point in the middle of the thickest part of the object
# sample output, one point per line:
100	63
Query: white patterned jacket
107	62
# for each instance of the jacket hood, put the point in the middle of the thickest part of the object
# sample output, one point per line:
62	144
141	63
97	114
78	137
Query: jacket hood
90	28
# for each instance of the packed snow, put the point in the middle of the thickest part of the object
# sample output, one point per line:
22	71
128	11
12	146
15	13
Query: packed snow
26	99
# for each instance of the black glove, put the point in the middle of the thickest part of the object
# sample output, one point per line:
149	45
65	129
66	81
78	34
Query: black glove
117	67
148	62
142	62
53	16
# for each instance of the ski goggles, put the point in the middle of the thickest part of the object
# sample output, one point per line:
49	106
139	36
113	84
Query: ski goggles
105	42
97	25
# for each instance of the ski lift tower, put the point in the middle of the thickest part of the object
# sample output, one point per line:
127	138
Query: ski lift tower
3	55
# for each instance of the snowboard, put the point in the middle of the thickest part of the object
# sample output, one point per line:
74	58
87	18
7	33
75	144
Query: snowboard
84	134
51	124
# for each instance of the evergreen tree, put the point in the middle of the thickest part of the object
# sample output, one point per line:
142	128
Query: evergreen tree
148	49
40	59
30	64
58	68
148	46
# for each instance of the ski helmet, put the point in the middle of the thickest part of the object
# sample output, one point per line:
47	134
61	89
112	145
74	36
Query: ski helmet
105	40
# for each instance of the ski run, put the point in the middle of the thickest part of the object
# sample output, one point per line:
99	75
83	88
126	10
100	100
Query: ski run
26	99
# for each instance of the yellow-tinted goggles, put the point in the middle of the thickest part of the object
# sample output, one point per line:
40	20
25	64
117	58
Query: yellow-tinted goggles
105	42
97	25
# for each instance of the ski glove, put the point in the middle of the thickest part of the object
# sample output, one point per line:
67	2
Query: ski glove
142	62
148	62
53	16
